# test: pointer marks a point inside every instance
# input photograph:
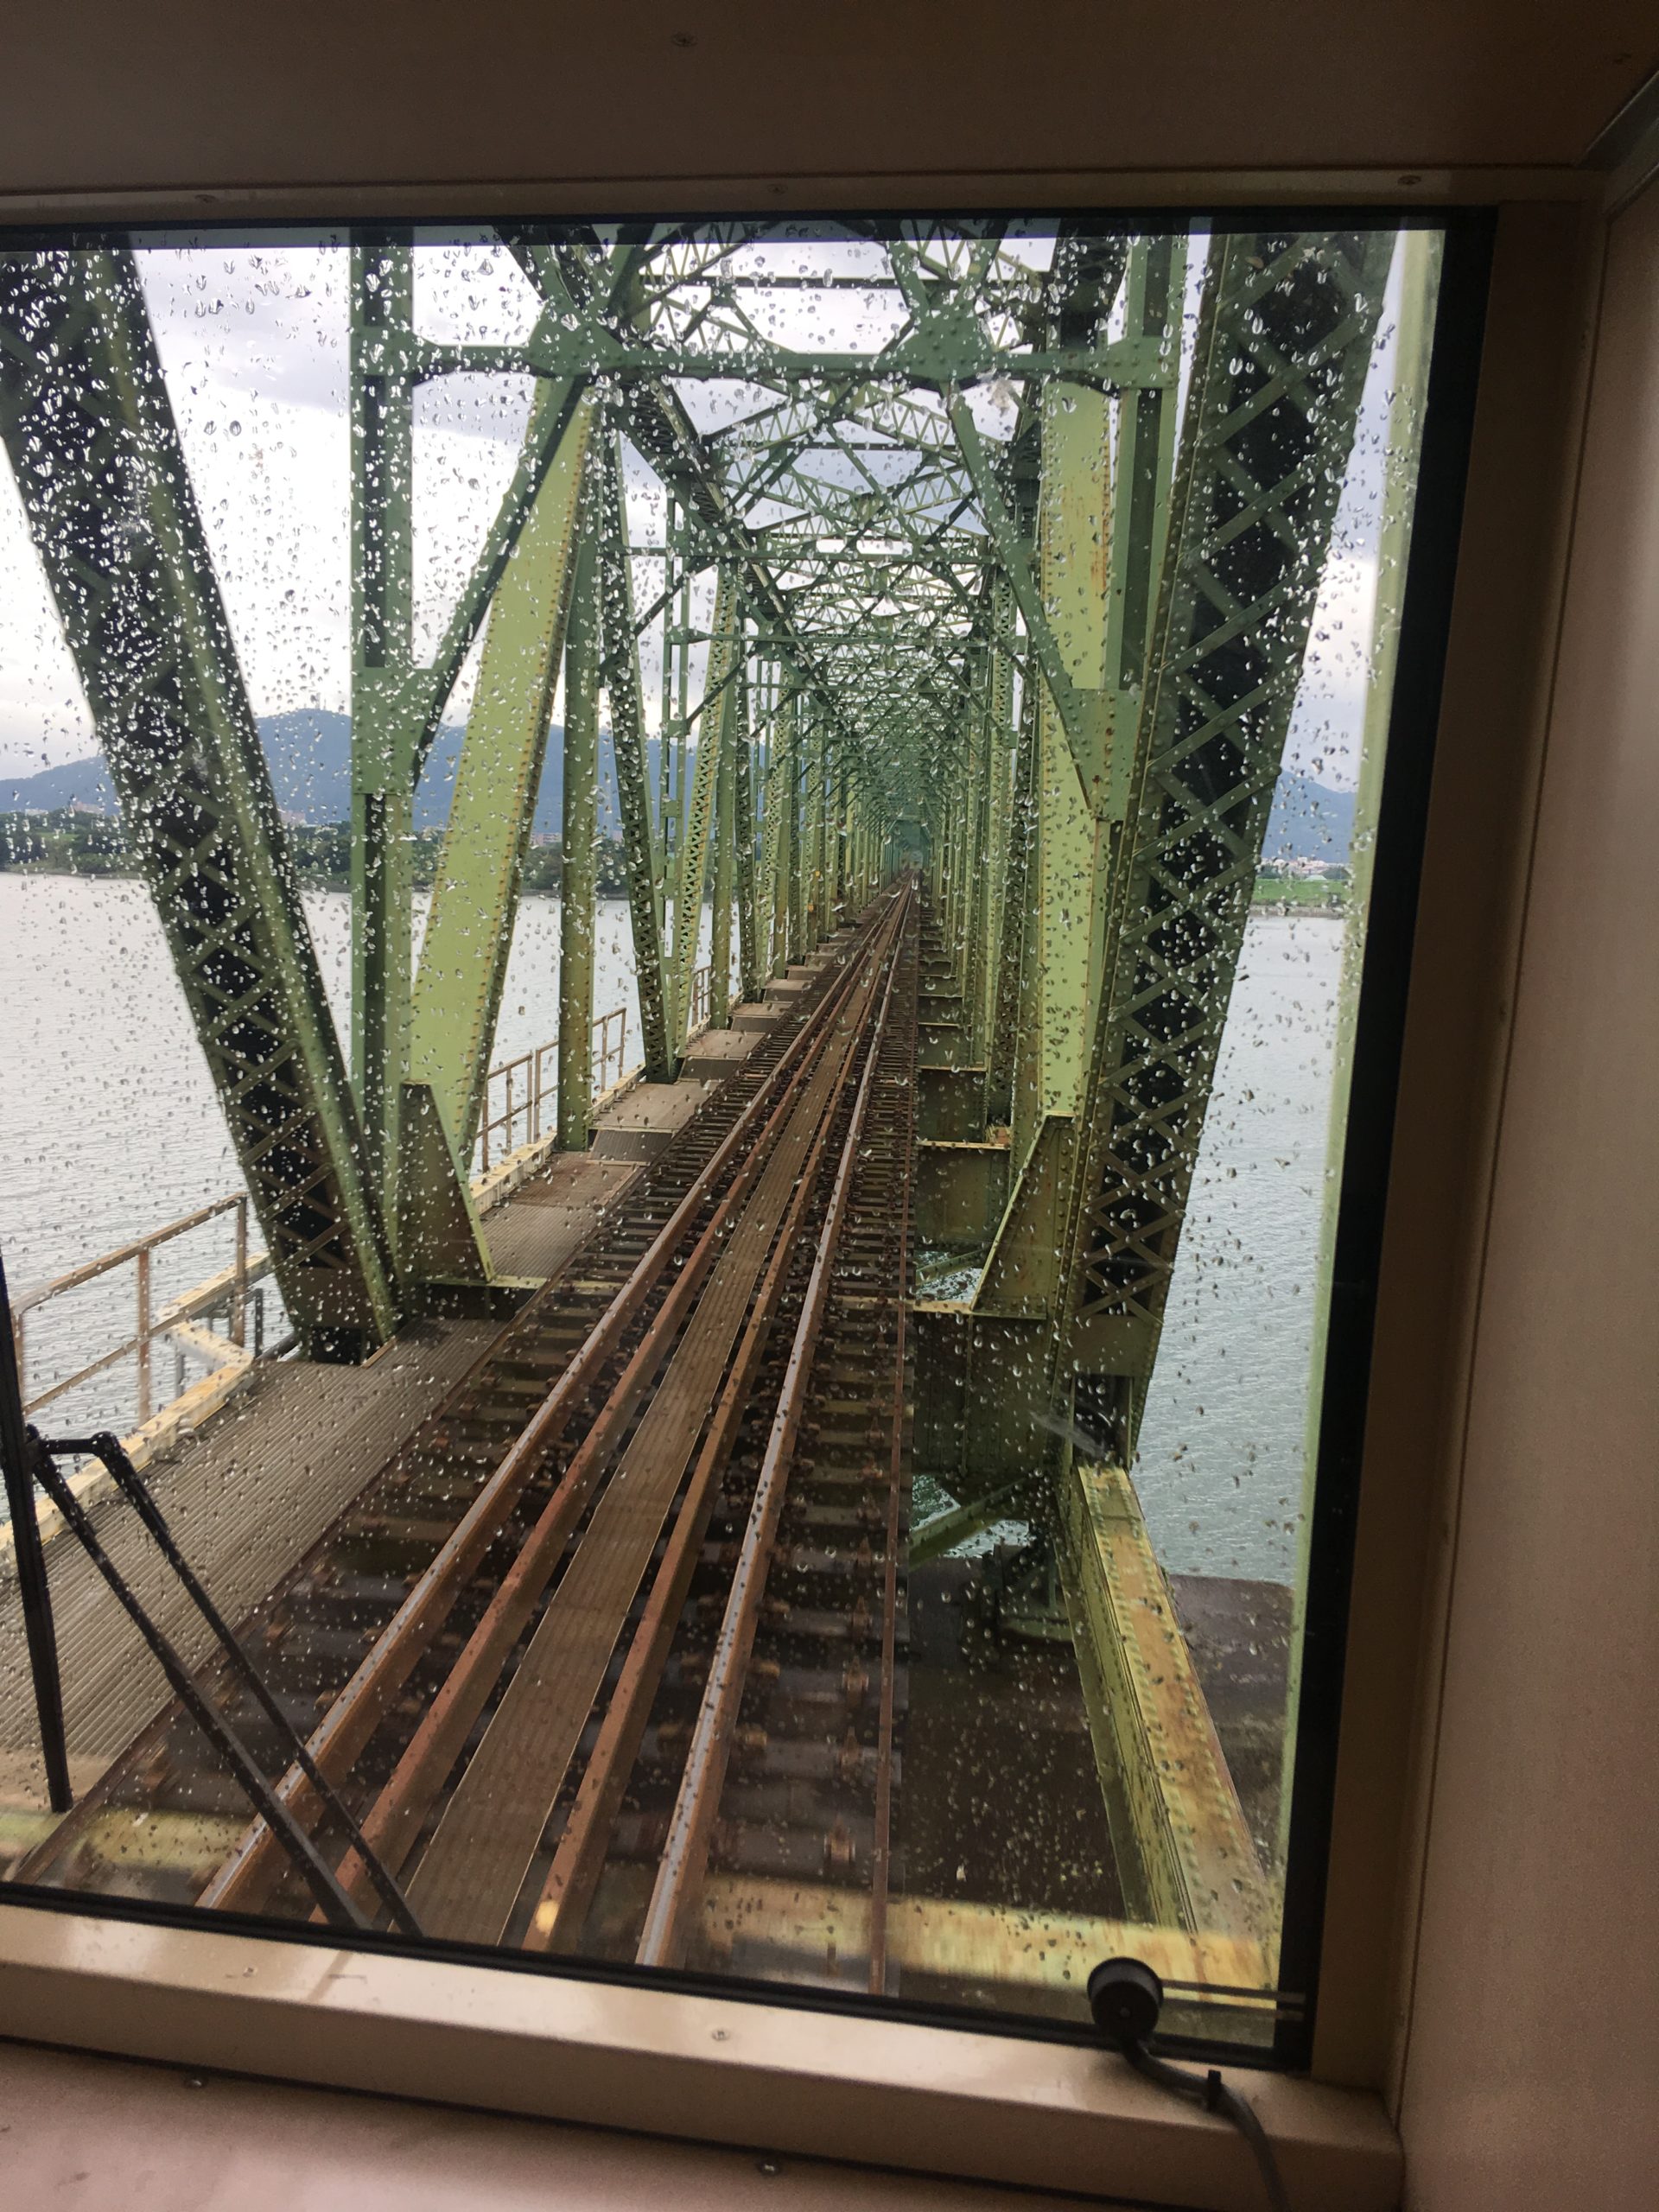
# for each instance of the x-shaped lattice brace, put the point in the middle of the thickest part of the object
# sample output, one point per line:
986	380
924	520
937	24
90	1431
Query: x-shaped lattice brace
1286	334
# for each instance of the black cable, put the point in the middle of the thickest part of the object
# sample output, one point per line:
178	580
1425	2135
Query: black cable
127	1478
337	1906
1126	1998
1210	2091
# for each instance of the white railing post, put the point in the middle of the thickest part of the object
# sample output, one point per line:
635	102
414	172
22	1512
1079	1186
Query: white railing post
239	1281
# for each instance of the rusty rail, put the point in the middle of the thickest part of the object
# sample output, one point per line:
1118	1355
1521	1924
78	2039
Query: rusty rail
685	1854
488	1736
395	1820
354	1716
571	1882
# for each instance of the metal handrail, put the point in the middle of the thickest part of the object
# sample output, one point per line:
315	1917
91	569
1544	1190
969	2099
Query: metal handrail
148	1323
530	1070
539	1090
703	995
608	1051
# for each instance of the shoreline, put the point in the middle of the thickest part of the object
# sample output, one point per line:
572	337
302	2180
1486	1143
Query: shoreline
1318	910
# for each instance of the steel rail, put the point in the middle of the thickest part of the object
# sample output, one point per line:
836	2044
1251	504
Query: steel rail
568	1890
881	1854
541	1342
394	1824
685	1853
345	1729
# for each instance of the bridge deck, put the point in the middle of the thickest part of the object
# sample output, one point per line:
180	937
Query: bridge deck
250	1492
599	1619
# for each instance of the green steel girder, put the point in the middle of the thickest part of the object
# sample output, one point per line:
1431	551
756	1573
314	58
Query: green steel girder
975	605
395	703
725	737
87	424
475	892
749	964
1285	339
579	882
385	735
692	877
643	859
947	349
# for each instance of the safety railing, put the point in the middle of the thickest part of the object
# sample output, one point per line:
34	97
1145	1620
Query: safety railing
702	992
531	1092
610	1054
526	1083
227	1292
528	1088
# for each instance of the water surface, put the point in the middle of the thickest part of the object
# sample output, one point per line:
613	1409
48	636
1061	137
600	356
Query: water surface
109	1128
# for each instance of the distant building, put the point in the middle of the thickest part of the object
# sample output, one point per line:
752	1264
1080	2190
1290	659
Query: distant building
1319	871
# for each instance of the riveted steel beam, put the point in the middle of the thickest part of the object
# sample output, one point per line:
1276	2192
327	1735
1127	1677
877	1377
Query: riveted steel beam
476	890
642	851
90	431
1285	337
692	877
579	883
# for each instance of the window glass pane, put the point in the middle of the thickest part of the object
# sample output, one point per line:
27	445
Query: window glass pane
683	911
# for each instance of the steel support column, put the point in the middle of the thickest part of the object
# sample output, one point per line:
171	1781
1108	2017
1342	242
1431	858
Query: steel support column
642	850
1284	342
385	738
748	962
87	424
697	827
475	893
580	876
724	735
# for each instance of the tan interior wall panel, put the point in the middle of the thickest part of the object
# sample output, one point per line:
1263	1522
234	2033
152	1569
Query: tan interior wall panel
1511	557
1534	2046
181	93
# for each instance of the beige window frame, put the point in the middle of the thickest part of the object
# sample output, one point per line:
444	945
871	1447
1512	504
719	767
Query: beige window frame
994	2106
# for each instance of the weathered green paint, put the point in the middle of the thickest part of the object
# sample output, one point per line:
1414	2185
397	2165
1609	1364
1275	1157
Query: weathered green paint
1072	836
1000	740
748	961
642	848
439	1237
720	935
992	661
782	823
90	432
385	735
475	893
580	878
1284	341
692	877
817	917
1016	948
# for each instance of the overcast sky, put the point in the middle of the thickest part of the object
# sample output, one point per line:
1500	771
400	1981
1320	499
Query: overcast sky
253	341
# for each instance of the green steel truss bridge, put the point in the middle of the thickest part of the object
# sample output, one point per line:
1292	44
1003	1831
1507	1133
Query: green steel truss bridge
981	592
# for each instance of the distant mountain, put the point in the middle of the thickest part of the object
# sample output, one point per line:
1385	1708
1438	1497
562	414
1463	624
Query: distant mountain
1309	821
310	757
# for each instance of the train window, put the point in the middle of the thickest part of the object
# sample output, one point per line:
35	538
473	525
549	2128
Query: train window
692	1136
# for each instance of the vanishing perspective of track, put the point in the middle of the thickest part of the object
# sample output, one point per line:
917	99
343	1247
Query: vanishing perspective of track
626	1612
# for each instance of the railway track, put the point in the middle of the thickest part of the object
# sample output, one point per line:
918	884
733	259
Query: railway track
627	1610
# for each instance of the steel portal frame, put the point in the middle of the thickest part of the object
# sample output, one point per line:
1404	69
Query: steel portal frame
947	564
